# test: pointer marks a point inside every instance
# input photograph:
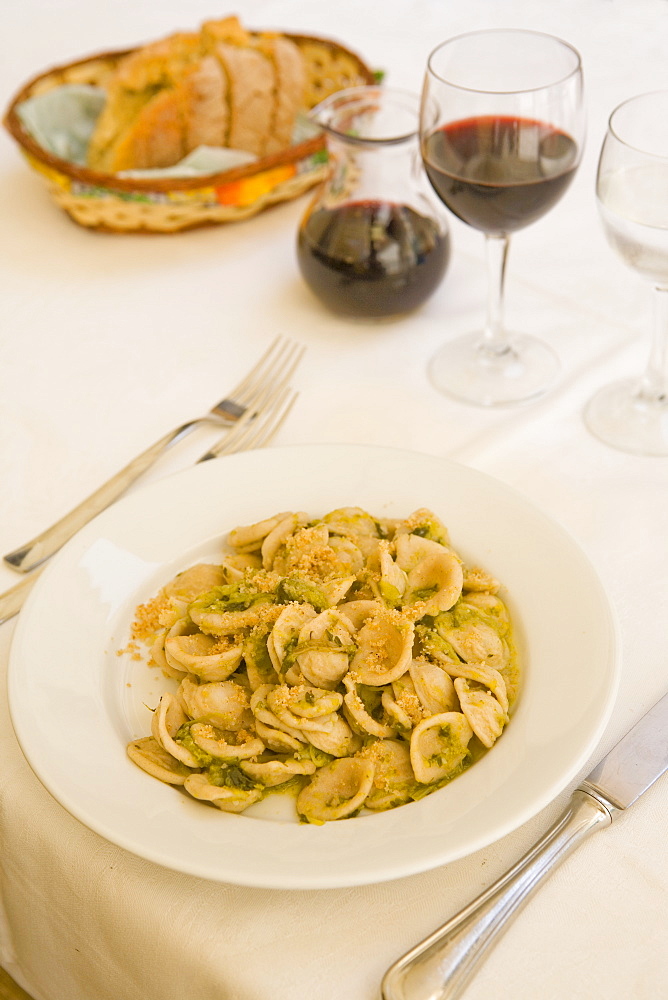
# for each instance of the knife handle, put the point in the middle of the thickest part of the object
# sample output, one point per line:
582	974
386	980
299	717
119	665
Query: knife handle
440	967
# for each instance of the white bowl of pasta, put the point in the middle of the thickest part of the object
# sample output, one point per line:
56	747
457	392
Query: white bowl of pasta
370	673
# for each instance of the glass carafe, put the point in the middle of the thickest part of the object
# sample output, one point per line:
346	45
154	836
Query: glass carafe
374	242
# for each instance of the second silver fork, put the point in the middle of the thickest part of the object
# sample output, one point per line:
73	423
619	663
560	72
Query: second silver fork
273	371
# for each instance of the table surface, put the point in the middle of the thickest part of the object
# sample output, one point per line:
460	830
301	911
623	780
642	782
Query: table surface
111	340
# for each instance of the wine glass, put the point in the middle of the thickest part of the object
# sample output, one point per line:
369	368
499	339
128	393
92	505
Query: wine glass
632	194
501	126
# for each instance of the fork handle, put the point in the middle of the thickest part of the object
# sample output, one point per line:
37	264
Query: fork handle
13	600
49	541
440	967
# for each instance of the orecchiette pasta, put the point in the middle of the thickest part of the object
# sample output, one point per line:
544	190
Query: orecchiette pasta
352	660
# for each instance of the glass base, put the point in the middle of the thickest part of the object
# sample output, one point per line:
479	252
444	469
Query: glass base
624	417
468	369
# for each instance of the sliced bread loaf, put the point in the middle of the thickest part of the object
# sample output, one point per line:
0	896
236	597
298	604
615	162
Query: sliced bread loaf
220	86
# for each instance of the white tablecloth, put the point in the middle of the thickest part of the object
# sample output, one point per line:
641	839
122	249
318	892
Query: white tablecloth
110	340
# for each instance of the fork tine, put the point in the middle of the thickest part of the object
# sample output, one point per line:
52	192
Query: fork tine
252	432
263	398
264	394
280	355
266	425
242	430
274	423
257	371
283	367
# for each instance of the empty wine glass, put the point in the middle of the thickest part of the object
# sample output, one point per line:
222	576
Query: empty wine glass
632	194
501	126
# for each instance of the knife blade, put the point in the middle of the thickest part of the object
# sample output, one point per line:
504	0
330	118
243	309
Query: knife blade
441	966
635	763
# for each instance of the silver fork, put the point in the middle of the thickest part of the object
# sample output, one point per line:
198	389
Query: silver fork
273	370
254	429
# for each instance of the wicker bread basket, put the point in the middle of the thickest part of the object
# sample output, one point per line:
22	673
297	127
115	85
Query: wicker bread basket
111	203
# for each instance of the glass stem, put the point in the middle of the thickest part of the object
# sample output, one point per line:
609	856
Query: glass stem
654	386
494	336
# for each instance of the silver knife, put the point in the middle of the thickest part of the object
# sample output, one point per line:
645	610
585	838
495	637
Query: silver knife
440	967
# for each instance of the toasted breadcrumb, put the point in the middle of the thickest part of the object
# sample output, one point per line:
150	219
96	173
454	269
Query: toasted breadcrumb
264	581
281	696
152	616
132	650
375	752
379	754
307	554
478	579
243	736
224	643
417	518
409	702
229	622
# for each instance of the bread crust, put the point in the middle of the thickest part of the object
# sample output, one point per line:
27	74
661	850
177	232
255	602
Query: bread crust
205	105
251	81
290	89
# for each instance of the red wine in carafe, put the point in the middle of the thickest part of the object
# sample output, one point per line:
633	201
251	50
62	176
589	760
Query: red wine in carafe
371	258
499	174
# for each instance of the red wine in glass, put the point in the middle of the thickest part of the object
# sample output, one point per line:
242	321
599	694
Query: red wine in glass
501	128
499	173
372	258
